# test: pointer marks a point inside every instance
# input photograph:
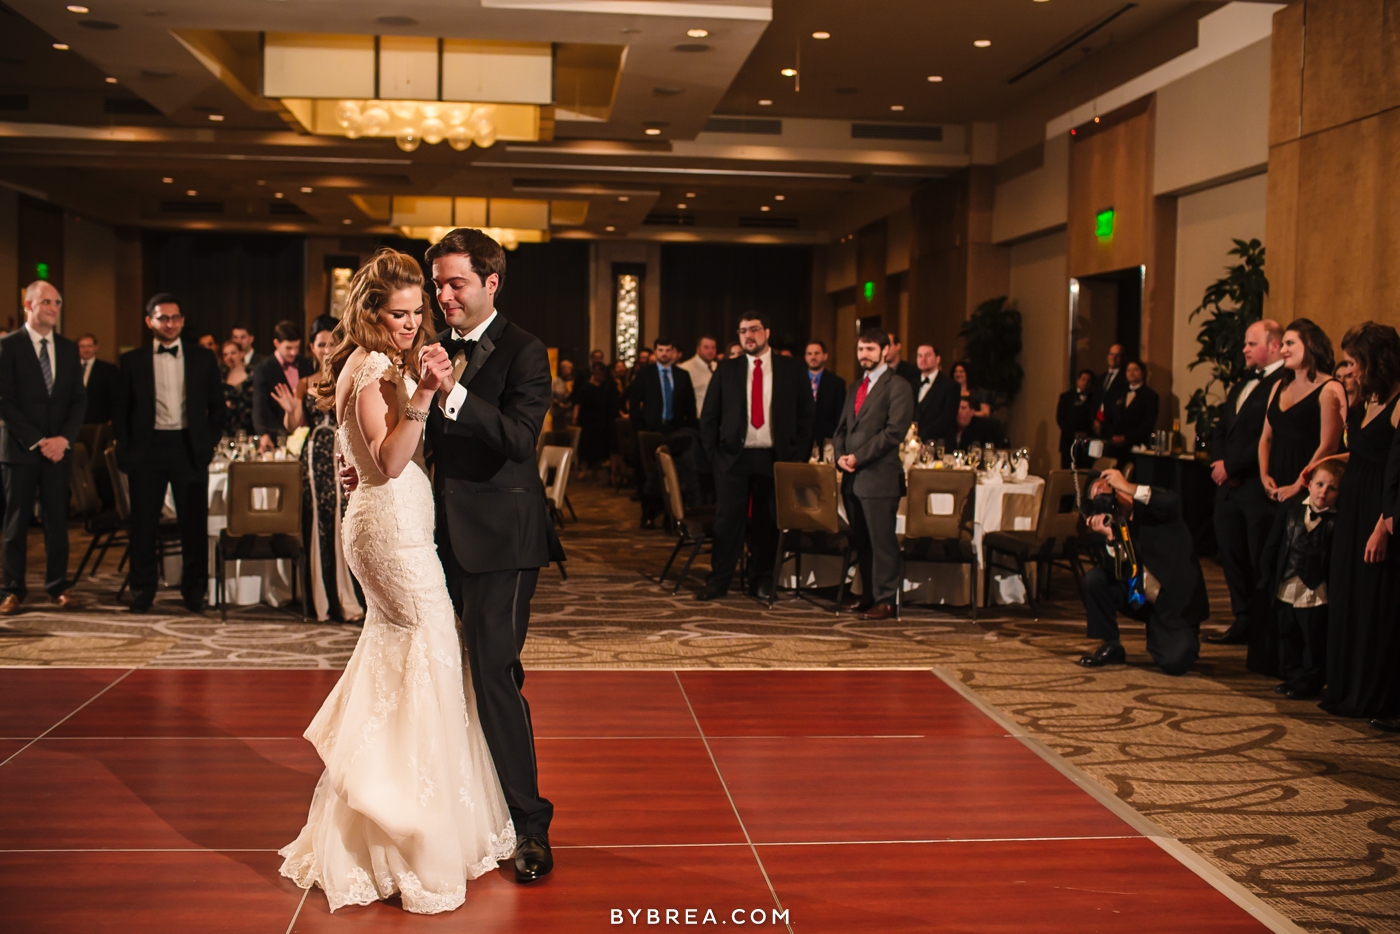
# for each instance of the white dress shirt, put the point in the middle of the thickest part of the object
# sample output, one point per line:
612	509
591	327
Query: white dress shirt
759	437
924	387
170	385
874	377
35	337
452	404
1249	386
87	370
700	375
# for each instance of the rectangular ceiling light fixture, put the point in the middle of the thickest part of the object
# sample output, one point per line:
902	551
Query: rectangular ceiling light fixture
509	221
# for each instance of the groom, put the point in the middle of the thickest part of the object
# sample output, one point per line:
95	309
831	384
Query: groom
492	520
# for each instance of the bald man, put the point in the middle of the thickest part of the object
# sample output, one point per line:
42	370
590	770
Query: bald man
42	401
1243	513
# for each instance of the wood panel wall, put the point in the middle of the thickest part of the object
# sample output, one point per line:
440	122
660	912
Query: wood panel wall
1333	232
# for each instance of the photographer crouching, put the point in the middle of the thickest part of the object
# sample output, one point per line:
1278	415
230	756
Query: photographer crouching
1148	569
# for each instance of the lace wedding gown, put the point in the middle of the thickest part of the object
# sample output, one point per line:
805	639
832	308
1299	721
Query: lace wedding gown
409	801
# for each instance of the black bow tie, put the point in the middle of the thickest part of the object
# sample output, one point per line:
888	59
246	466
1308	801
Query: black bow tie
173	350
1254	374
453	346
1313	514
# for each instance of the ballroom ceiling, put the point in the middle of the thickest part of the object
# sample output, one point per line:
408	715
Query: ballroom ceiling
135	124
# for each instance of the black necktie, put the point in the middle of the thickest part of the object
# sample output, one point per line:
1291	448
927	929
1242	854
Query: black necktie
173	350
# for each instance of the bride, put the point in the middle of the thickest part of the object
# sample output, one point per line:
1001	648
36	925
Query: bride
409	801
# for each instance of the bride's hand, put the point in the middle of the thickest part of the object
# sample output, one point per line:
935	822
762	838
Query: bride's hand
349	477
434	367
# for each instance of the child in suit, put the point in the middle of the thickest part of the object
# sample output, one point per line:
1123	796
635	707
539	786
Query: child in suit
1296	560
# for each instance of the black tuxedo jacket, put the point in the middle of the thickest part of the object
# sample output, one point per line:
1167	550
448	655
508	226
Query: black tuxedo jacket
1135	422
101	385
1235	438
725	420
488	483
134	405
831	396
910	373
646	405
1163	544
267	414
937	414
31	412
1105	397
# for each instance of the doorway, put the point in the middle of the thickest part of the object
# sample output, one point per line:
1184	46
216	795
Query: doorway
1105	309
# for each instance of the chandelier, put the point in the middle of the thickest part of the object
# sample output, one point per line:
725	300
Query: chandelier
411	123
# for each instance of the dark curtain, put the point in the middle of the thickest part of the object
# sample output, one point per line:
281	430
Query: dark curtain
546	293
227	280
705	287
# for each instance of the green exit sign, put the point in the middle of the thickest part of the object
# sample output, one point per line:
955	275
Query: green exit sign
1103	224
41	270
869	291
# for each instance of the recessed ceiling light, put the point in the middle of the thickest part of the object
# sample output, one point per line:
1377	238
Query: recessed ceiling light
306	190
624	198
764	207
935	78
168	180
191	192
789	72
346	221
1096	119
77	8
697	33
681	206
690	194
610	228
780	197
982	43
821	34
217	118
653	131
896	107
765	103
277	194
110	80
61	46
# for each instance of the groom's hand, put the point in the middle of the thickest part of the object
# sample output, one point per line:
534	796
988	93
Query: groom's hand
349	479
436	360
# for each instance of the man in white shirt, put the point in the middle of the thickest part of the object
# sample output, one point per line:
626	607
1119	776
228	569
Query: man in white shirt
42	401
936	397
701	367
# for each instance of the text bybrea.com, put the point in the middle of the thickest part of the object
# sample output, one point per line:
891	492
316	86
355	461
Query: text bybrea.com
661	916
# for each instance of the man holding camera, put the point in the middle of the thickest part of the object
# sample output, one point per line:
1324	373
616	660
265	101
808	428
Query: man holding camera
1150	571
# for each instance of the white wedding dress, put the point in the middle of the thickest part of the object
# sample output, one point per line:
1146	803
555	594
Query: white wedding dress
409	801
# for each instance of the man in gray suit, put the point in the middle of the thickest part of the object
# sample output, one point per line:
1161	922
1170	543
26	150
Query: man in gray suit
878	411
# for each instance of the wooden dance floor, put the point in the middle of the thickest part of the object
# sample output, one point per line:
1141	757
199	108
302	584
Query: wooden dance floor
155	801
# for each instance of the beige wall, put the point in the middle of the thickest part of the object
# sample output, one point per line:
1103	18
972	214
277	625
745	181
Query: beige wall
9	258
1214	123
1207	221
1040	291
1035	201
90	285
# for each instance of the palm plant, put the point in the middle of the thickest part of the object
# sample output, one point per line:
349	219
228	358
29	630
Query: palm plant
1233	303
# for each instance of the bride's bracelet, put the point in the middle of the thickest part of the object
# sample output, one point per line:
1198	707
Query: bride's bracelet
418	415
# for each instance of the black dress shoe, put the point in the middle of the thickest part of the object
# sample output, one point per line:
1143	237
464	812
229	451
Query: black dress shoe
1302	693
533	858
763	592
708	594
1282	687
140	606
1235	635
1389	724
195	605
1105	655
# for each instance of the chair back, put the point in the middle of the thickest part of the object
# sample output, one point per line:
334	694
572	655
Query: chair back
647	443
671	481
1104	463
805	495
555	457
940	503
121	491
575	433
86	502
1059	514
264	498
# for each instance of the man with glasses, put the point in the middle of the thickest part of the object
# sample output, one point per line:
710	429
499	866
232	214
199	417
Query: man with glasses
758	410
42	401
167	417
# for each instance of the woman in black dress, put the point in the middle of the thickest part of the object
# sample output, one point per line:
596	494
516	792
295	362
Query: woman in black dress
1307	409
595	407
980	400
238	391
1363	641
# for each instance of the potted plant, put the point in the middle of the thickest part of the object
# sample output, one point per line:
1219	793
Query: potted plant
992	340
1231	304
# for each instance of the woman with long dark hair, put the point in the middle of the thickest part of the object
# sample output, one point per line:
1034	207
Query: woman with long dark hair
1306	412
1363	586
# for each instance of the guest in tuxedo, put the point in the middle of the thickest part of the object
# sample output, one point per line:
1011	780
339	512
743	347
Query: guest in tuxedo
935	397
1133	418
876	415
167	417
828	392
972	431
99	379
701	368
903	368
663	400
1169	593
758	410
42	402
286	367
1243	515
1112	386
244	339
1075	416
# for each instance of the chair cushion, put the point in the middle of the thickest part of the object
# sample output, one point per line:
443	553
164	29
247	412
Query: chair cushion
1014	543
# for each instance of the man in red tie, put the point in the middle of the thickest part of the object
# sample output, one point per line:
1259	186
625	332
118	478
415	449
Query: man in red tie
758	410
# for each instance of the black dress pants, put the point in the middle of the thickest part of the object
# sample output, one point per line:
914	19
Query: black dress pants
1302	643
50	481
494	607
872	520
1173	645
1243	517
169	463
744	503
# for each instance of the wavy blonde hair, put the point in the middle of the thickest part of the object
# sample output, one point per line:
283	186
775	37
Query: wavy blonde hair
385	273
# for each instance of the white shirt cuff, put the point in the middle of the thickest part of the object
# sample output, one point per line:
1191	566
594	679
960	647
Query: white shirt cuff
452	404
1143	494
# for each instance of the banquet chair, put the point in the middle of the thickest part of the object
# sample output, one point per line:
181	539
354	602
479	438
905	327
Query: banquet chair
167	532
805	496
625	442
1056	537
569	438
104	525
263	527
938	521
694	526
555	458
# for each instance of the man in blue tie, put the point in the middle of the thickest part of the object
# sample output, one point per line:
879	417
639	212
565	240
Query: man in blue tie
662	400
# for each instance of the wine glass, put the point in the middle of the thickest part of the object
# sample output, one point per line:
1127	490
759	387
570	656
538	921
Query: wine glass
974	457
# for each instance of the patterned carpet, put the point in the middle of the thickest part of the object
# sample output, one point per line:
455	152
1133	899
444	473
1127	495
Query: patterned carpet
1300	807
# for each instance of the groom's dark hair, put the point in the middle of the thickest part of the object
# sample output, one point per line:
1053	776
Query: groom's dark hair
486	254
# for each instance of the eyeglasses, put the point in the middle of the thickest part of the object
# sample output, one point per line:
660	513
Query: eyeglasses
754	330
167	319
